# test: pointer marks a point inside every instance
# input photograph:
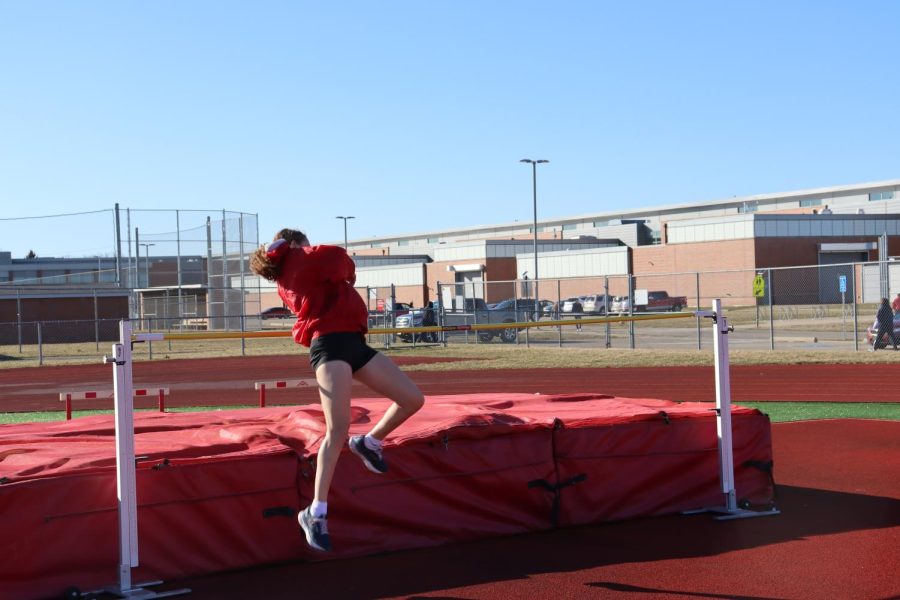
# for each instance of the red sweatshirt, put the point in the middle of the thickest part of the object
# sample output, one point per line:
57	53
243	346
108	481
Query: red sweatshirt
316	283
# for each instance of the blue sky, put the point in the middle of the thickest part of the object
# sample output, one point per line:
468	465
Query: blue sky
412	116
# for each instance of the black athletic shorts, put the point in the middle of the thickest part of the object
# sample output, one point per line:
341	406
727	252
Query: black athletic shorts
348	347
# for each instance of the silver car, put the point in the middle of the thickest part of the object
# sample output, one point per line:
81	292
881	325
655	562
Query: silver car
567	305
620	304
595	304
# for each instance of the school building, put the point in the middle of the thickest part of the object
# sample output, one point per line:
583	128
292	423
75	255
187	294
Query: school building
821	226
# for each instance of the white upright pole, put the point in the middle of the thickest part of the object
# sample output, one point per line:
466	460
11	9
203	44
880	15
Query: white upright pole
125	467
126	471
730	510
723	406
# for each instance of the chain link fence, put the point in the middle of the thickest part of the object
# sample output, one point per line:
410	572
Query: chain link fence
828	307
193	265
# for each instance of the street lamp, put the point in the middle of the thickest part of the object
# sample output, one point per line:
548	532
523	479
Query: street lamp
534	164
345	229
146	260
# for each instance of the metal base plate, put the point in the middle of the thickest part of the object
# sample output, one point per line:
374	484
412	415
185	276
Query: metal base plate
139	591
728	514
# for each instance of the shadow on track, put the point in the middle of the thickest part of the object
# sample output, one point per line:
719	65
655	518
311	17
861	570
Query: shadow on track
806	513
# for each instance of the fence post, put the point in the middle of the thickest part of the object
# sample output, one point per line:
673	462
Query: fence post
527	329
162	400
96	324
631	310
262	395
243	340
608	331
441	314
771	309
40	341
389	338
556	314
19	316
474	317
699	333
68	407
243	290
855	314
368	313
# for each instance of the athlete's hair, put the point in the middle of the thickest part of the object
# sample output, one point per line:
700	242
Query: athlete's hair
262	265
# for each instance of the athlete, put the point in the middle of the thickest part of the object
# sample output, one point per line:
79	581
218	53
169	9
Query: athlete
316	283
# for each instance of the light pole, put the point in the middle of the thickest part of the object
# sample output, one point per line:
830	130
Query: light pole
345	229
534	164
146	260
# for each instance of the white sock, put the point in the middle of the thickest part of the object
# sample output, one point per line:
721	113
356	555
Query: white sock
372	443
318	509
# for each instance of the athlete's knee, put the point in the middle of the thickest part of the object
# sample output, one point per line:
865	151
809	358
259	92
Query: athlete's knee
415	402
337	432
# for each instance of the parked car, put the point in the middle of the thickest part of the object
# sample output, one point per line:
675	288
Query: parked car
567	305
513	310
468	305
547	307
415	318
523	305
378	318
595	304
872	332
276	312
660	300
620	304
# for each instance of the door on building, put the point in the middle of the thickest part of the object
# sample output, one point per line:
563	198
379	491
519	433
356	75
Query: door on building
833	266
469	284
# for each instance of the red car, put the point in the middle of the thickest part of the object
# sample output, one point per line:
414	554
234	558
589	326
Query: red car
276	312
872	331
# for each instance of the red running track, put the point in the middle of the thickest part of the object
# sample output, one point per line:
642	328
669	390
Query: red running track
229	381
837	538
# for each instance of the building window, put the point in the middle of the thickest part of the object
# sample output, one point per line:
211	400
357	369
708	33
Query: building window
433	240
85	277
881	196
601	223
569	226
25	276
748	208
816	202
53	277
403	242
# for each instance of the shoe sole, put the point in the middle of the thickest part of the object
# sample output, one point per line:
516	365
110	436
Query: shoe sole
308	534
365	460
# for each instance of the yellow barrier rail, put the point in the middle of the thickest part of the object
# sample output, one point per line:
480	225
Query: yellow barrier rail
224	335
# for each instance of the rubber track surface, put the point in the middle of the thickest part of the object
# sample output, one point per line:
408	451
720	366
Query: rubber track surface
229	381
837	538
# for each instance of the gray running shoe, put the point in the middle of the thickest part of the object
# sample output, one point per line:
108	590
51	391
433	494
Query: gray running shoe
373	459
316	530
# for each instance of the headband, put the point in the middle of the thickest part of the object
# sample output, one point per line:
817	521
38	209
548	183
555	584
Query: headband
277	249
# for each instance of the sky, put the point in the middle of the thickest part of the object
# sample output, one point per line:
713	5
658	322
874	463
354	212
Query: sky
413	116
